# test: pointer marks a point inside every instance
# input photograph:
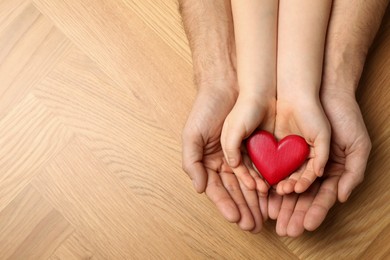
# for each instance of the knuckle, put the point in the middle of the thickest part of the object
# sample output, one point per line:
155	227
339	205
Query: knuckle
231	152
232	188
331	191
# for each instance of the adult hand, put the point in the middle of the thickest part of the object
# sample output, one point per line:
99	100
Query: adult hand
204	162
350	148
345	55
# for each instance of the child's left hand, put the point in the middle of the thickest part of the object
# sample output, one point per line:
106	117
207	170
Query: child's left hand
307	119
249	113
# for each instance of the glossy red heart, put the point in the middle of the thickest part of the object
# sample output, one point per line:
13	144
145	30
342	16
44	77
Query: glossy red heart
276	160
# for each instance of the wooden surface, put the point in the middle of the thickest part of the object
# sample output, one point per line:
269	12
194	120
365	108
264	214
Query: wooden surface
93	97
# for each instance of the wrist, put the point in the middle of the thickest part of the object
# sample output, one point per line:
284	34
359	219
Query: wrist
263	94
343	66
216	62
301	95
222	77
223	87
300	103
334	93
299	87
217	78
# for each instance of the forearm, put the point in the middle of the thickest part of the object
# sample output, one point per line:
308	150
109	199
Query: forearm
352	29
209	28
302	33
255	26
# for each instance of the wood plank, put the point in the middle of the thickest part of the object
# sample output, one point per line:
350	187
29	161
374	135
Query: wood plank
130	53
164	19
29	47
30	228
93	96
378	248
98	207
76	247
9	10
29	137
138	152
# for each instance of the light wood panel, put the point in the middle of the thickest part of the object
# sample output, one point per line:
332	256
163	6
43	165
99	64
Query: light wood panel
29	137
98	126
112	34
75	247
33	230
93	97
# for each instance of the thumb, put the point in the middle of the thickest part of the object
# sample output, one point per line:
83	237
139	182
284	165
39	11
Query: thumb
231	140
321	151
355	166
192	160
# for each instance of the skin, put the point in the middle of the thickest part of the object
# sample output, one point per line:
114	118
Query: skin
255	27
350	144
214	54
301	43
350	149
301	40
215	77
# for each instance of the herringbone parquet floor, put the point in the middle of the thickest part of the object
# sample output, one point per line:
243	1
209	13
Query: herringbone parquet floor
93	97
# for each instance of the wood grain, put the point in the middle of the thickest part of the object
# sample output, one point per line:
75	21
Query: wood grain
75	247
93	97
31	228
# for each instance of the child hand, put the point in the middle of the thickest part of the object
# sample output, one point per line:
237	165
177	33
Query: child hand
248	113
307	119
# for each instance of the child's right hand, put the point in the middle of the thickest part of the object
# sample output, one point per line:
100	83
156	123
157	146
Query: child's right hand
304	117
249	113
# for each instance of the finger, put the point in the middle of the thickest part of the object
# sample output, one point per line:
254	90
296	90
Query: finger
244	176
286	211
324	200
230	147
280	187
321	150
261	186
217	193
295	226
252	200
231	140
355	166
286	186
307	177
263	203
192	160
262	192
231	184
274	204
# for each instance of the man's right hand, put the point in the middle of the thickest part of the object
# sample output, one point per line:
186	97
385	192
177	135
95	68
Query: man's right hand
350	148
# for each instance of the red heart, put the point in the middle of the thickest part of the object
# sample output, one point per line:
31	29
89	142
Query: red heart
275	161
